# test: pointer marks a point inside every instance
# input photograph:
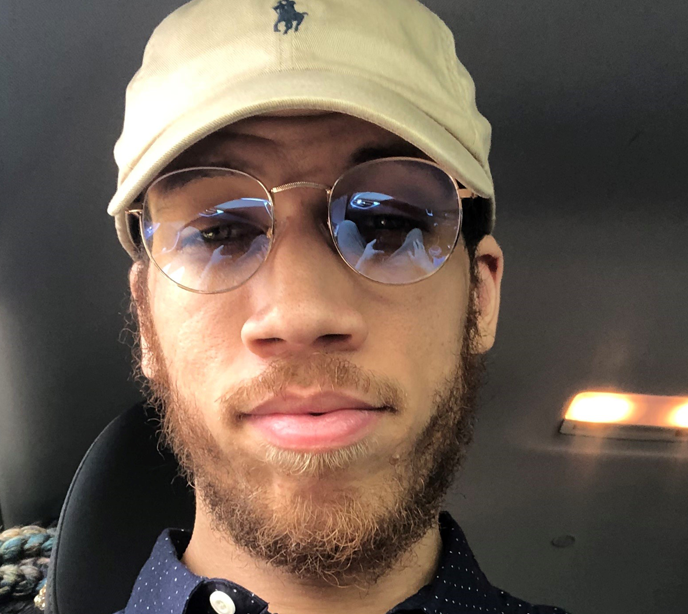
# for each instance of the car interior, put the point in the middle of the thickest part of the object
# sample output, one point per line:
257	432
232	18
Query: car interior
589	108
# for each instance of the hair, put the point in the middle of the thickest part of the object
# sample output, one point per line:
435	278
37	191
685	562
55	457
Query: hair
237	518
475	224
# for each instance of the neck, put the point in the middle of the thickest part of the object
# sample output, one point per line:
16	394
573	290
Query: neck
215	556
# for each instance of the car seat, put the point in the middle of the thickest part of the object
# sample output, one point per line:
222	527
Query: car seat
126	490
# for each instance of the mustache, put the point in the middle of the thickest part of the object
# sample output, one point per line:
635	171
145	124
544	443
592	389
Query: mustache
320	371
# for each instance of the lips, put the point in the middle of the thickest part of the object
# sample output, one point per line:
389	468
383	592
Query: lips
321	403
315	423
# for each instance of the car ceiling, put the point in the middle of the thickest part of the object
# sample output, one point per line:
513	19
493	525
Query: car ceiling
589	106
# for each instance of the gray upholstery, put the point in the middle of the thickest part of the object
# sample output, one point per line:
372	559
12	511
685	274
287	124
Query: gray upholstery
124	493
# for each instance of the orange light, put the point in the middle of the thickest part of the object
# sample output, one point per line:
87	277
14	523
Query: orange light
600	407
680	416
627	416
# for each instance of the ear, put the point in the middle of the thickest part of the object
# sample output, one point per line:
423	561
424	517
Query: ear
490	261
137	286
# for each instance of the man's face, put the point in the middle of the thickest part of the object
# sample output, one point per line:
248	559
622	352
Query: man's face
306	323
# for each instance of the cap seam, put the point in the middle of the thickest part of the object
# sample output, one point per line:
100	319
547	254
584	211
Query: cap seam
450	57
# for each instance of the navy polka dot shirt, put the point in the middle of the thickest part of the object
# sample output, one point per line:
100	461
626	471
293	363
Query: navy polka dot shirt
166	586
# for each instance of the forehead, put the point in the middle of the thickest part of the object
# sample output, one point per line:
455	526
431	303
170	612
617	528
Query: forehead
294	136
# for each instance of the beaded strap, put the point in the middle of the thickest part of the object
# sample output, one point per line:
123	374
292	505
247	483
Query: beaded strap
39	600
24	559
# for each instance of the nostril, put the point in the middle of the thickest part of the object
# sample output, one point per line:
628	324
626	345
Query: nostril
333	337
270	341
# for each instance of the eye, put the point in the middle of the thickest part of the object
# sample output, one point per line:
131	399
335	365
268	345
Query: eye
221	234
387	219
390	223
203	233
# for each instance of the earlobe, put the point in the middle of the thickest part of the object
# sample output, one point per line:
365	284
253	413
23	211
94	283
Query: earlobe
137	286
490	262
146	362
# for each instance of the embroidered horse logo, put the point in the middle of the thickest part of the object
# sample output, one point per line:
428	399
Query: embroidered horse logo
288	15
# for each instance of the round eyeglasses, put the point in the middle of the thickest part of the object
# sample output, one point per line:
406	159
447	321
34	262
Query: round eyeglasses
392	220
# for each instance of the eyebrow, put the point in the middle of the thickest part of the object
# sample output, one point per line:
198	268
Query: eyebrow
363	154
377	152
211	158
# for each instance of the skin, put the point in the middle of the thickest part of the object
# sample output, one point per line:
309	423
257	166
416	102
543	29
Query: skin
305	300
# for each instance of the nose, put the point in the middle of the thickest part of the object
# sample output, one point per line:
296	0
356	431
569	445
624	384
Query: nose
304	298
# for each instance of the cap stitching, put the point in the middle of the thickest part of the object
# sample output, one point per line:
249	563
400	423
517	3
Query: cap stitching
451	59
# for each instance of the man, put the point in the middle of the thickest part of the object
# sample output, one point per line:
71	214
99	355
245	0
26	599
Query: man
287	13
316	285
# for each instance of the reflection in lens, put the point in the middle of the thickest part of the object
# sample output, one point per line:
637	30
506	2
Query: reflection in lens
207	229
228	271
350	242
412	253
395	221
410	261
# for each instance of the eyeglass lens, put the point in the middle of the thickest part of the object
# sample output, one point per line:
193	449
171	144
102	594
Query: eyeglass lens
393	221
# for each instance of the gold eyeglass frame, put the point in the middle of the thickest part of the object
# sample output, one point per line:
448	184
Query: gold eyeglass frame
461	194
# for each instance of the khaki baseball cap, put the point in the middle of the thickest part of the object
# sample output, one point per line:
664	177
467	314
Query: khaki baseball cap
214	62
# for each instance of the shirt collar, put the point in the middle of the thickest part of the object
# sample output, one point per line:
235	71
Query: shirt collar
167	586
458	574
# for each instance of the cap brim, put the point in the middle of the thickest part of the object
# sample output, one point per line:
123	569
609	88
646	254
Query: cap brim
312	89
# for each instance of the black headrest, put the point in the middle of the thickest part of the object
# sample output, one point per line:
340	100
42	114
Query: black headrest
124	493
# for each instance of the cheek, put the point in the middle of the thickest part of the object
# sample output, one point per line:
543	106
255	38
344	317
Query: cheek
419	339
422	333
431	336
430	315
197	335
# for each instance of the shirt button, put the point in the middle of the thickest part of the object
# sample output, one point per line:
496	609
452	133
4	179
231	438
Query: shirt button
222	603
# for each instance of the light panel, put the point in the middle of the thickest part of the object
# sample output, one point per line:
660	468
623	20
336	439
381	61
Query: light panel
627	416
680	416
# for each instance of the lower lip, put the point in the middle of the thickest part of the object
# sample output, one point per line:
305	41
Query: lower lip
334	429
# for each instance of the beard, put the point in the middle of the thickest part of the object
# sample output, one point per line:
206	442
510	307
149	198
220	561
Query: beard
327	528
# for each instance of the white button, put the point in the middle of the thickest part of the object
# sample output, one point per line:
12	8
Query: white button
222	603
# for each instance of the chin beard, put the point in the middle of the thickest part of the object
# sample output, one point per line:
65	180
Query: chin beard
323	531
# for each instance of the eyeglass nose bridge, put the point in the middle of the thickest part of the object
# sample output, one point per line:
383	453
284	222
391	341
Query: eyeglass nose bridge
327	230
301	184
